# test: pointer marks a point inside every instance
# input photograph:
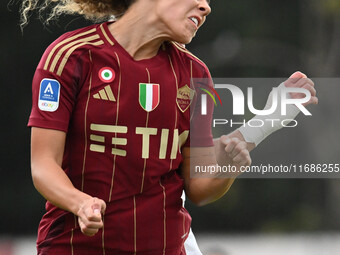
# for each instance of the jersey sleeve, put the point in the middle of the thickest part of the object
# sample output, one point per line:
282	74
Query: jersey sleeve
200	124
54	91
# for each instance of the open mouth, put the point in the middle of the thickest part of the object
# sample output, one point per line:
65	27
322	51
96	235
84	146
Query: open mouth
194	20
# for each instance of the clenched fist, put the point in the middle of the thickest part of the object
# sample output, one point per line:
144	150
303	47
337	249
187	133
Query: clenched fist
90	216
233	151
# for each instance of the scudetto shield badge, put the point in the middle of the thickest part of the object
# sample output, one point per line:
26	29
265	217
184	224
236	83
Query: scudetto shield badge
184	97
148	96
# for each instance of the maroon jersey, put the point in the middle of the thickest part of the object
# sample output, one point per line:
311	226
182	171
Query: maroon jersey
126	122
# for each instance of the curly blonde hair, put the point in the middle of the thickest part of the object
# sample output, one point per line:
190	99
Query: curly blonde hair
95	10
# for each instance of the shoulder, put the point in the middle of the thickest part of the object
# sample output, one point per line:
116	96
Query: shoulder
186	56
65	50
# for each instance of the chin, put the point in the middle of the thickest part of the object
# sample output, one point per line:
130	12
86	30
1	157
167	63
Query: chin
184	39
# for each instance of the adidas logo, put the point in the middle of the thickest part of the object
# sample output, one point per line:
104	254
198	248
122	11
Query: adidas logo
105	94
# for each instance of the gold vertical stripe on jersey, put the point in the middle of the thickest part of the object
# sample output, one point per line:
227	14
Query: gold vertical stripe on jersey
85	126
71	50
144	166
147	71
63	42
146	125
142	185
72	230
191	72
164	143
67	46
103	235
105	34
134	225
164	216
174	73
71	241
117	115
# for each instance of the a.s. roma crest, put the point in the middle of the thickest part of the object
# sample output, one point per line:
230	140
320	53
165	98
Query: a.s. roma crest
184	97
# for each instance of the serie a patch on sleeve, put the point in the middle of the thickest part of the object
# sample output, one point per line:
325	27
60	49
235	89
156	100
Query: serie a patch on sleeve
49	95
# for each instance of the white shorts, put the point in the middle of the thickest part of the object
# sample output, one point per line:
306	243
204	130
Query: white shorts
190	245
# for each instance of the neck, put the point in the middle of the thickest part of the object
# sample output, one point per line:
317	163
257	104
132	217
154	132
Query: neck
138	33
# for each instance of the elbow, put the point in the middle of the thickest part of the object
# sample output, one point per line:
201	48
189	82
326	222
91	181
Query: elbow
197	192
205	193
198	199
36	176
200	191
199	202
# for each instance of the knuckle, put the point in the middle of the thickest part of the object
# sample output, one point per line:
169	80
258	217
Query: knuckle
84	229
234	141
239	147
91	218
309	87
236	159
244	153
87	225
223	137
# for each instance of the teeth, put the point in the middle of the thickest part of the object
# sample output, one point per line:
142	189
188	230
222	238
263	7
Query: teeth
194	20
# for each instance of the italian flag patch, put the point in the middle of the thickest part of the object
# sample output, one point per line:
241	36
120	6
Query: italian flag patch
148	96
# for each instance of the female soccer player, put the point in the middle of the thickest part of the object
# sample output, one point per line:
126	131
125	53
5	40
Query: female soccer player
110	145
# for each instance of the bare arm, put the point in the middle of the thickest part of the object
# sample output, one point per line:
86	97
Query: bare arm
205	188
47	149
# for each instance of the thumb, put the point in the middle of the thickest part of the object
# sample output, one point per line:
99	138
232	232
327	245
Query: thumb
96	209
298	75
294	78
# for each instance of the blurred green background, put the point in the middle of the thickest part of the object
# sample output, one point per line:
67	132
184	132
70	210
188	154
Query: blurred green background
241	38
